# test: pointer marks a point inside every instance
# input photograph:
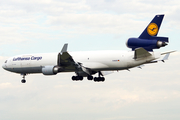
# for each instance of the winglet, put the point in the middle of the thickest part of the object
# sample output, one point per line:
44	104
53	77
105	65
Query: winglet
165	57
64	49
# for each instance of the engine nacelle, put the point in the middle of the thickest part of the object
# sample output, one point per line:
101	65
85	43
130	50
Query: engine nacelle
51	70
148	44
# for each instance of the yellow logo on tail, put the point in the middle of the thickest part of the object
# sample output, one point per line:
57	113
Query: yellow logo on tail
152	29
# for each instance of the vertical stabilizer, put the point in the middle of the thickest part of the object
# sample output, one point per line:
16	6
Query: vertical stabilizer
153	28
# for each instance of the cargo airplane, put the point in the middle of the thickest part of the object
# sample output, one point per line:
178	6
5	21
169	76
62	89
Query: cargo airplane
87	64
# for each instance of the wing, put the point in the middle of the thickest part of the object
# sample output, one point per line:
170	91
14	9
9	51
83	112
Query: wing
164	58
66	61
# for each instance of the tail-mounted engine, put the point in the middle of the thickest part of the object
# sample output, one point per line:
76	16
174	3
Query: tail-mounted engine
148	44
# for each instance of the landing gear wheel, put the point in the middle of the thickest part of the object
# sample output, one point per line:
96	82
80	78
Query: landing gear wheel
102	79
23	81
90	77
80	77
99	79
76	78
73	78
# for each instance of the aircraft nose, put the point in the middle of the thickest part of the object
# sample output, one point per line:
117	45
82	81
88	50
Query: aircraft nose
4	66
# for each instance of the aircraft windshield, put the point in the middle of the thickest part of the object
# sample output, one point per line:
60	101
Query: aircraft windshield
6	61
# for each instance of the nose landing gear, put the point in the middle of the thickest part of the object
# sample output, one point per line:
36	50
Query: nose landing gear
23	80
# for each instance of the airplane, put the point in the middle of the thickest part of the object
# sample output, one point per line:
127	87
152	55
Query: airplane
89	63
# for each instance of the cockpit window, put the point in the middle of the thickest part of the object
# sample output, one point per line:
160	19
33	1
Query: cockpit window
6	61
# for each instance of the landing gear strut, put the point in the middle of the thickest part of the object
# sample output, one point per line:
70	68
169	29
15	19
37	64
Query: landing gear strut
23	80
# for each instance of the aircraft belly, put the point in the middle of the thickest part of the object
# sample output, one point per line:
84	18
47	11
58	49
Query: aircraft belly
26	70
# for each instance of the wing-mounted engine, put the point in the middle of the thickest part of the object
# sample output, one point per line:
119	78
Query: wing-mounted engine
51	70
148	39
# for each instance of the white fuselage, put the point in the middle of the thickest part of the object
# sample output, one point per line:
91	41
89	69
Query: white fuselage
95	60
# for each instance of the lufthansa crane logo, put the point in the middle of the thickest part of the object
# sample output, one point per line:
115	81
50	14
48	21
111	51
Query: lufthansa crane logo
152	29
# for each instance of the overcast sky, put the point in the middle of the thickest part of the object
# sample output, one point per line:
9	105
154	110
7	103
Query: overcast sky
40	26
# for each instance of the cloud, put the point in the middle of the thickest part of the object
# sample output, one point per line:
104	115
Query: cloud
2	58
28	20
94	23
5	85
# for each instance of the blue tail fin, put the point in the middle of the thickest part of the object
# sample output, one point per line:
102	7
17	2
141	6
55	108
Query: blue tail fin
148	39
153	28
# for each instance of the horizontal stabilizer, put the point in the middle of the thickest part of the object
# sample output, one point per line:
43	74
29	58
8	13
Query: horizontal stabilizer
164	58
140	53
168	52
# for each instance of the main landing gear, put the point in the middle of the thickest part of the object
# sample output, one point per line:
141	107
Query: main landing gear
96	79
23	80
99	78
